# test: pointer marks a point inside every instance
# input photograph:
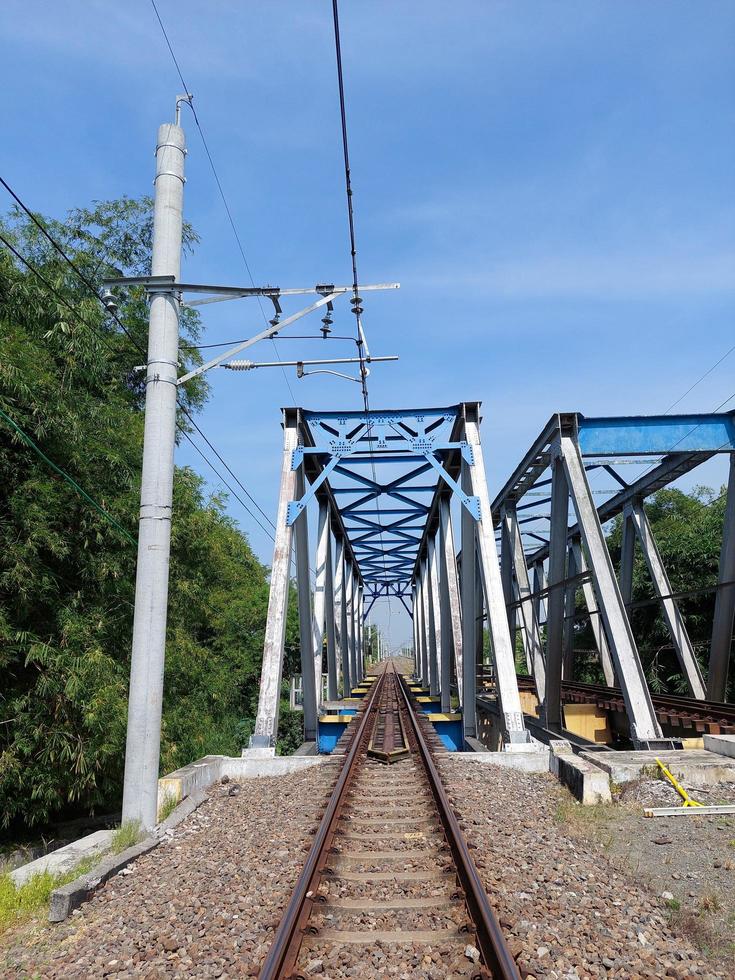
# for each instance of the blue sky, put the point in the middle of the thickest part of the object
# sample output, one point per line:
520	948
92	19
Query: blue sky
551	181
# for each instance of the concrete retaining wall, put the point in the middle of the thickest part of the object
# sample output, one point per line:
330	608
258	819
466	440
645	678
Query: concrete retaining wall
199	775
188	784
64	859
721	744
698	767
588	783
535	758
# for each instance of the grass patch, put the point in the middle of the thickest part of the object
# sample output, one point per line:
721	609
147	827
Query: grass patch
569	811
673	904
699	930
168	805
710	903
19	902
126	835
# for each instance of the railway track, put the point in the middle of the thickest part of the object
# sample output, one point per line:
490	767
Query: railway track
703	717
389	880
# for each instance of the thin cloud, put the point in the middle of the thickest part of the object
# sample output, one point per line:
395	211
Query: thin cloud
602	276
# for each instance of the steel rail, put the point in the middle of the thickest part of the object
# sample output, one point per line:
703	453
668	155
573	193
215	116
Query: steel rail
678	705
490	937
285	946
684	701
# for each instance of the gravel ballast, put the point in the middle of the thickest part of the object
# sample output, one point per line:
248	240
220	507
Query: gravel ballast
567	911
204	903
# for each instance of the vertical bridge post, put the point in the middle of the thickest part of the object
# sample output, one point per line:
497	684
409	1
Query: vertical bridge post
424	593
555	602
263	739
598	630
360	632
529	619
303	588
725	600
434	619
470	611
451	614
331	622
323	547
344	637
514	730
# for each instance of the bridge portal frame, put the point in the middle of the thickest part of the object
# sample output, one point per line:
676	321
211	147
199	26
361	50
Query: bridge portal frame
417	560
577	556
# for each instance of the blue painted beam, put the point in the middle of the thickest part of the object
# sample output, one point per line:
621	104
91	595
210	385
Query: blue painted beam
654	435
450	412
373	459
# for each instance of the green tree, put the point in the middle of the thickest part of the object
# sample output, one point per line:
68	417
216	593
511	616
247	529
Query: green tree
688	530
67	574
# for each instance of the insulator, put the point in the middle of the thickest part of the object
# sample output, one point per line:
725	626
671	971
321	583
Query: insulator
108	300
240	365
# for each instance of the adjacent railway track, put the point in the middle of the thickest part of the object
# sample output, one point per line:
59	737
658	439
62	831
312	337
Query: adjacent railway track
703	717
389	878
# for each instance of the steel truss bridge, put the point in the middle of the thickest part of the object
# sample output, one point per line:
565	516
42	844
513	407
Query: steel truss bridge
392	488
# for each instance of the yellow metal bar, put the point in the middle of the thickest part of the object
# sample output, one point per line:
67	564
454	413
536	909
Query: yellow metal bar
688	801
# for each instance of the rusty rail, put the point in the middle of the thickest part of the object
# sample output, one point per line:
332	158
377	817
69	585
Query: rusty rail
284	949
708	717
283	954
490	938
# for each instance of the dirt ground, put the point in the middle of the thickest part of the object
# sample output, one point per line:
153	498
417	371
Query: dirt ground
688	861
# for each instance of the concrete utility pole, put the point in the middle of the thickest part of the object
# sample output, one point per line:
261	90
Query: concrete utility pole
142	751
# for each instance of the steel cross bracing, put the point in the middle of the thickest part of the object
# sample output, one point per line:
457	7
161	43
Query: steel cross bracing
383	482
535	536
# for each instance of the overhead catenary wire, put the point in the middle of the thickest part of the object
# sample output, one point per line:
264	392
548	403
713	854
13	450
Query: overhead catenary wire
229	470
690	432
701	379
353	255
224	481
217	180
94	329
682	397
82	277
55	292
350	203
